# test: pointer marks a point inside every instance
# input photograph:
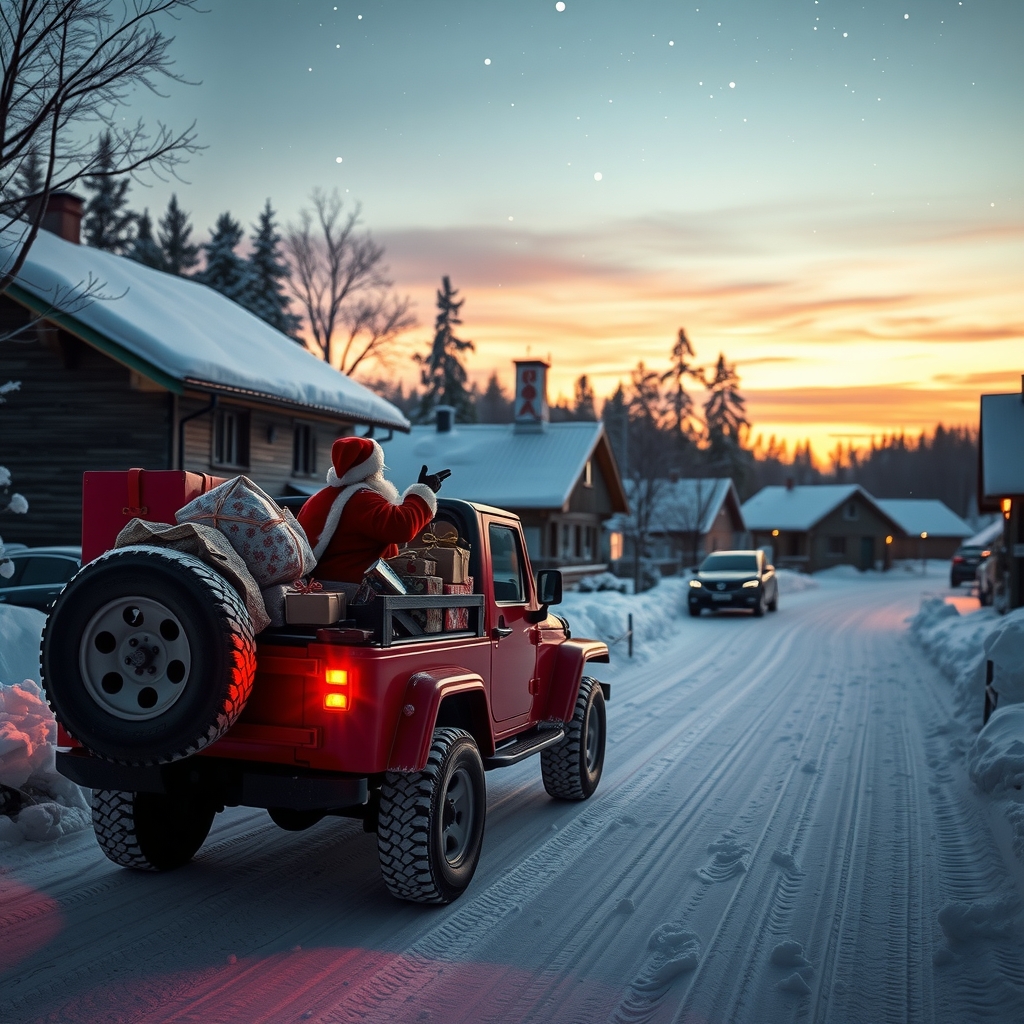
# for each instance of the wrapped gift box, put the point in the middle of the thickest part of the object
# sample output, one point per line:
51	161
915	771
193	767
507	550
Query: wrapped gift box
411	565
423	584
457	618
430	619
321	608
452	563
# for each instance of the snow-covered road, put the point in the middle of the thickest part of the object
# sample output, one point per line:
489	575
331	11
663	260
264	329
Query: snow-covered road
784	832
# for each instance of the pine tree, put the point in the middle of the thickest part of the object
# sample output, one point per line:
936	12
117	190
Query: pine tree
679	399
267	269
494	405
180	254
108	222
442	373
144	248
725	416
30	179
615	417
225	271
583	406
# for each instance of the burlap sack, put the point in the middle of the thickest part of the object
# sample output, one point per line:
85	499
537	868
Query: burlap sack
209	546
270	541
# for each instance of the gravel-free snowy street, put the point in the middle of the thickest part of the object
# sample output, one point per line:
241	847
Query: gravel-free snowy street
785	831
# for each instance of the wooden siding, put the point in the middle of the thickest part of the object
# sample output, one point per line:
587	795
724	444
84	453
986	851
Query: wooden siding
77	409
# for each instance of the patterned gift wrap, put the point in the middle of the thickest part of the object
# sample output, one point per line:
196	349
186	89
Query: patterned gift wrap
411	565
268	539
423	584
429	619
457	618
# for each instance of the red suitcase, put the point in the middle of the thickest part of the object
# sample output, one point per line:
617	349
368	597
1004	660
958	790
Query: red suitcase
111	499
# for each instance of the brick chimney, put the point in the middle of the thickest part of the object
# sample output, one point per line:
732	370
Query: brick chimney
530	412
64	216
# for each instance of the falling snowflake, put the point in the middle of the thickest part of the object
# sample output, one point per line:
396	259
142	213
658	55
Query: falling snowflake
337	159
559	6
732	85
598	175
487	60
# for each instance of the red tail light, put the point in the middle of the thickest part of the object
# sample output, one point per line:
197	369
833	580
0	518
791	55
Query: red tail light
336	697
957	559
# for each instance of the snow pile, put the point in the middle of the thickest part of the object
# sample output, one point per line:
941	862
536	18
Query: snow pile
603	581
43	805
792	582
961	645
996	759
35	802
603	615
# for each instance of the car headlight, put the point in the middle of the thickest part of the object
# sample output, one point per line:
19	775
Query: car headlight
752	583
696	583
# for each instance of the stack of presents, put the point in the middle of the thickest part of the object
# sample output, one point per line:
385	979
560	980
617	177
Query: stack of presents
436	562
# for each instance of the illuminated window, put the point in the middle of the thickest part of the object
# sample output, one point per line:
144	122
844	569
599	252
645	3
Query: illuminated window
614	546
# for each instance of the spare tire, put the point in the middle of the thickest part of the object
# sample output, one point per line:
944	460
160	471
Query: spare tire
147	656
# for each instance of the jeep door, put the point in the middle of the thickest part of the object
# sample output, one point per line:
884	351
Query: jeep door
513	654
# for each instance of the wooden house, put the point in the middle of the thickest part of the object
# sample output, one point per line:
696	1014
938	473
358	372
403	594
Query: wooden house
121	365
817	526
561	479
931	529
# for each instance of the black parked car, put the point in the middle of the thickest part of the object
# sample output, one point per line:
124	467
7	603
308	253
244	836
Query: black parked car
39	575
734	579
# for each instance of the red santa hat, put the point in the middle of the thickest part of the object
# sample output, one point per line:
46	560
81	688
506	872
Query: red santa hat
353	459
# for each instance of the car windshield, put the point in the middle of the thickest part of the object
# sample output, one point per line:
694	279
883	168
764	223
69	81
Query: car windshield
716	563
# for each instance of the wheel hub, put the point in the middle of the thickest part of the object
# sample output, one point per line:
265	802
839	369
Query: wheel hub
135	658
457	817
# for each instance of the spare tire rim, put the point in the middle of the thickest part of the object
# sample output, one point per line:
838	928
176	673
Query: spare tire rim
134	658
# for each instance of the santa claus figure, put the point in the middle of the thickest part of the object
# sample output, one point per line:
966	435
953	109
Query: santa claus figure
359	516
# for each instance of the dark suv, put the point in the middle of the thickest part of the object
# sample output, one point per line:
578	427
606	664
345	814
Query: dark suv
39	575
734	579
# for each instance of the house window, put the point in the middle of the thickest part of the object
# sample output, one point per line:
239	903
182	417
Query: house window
588	474
231	438
850	511
614	546
304	450
837	546
553	541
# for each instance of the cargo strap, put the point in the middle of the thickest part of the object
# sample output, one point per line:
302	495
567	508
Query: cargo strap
134	507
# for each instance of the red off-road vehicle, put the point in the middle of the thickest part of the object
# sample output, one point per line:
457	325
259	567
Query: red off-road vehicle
170	709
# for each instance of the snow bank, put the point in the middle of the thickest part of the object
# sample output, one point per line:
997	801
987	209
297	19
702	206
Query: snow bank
43	804
996	759
36	803
603	615
20	630
792	582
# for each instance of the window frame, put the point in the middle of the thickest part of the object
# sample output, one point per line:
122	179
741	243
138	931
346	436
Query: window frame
524	588
303	449
242	438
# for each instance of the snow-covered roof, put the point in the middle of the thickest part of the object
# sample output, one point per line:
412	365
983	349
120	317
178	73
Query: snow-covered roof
493	464
1002	445
180	332
798	508
679	504
925	515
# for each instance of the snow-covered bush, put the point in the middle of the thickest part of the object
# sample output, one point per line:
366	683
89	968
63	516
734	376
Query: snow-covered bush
996	759
603	581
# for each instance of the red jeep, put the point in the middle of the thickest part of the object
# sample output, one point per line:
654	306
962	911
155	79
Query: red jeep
170	709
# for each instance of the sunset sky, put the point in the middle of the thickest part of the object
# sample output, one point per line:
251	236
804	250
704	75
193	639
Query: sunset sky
828	192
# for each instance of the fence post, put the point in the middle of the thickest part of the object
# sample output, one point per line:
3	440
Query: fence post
629	623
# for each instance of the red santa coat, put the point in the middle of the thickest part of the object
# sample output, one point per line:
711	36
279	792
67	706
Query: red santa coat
349	528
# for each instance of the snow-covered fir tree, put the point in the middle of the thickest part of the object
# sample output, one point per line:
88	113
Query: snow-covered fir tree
266	296
442	374
726	420
494	405
144	248
180	254
108	222
225	270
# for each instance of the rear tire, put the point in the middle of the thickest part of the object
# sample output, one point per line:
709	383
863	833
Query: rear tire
773	605
758	608
572	769
148	656
150	831
431	824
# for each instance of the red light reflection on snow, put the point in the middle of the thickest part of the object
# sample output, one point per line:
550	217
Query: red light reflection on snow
28	921
342	984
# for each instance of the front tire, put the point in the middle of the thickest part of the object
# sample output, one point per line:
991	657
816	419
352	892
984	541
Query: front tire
150	831
431	825
695	611
759	608
148	656
773	605
572	769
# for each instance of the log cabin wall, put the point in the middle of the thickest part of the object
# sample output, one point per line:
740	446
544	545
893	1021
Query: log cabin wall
77	409
271	439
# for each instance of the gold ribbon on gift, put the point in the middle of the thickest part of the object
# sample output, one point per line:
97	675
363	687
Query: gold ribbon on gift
431	540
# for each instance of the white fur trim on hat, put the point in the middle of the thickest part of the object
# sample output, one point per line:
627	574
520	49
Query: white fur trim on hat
385	488
424	492
374	463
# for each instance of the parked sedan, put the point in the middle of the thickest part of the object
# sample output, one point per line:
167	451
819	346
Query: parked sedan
734	579
39	575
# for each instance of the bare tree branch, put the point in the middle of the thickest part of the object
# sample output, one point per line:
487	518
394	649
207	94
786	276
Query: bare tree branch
73	63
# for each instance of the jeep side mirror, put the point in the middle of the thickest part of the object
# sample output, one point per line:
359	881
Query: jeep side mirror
549	587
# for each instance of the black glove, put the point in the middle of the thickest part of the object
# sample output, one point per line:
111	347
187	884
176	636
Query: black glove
434	480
